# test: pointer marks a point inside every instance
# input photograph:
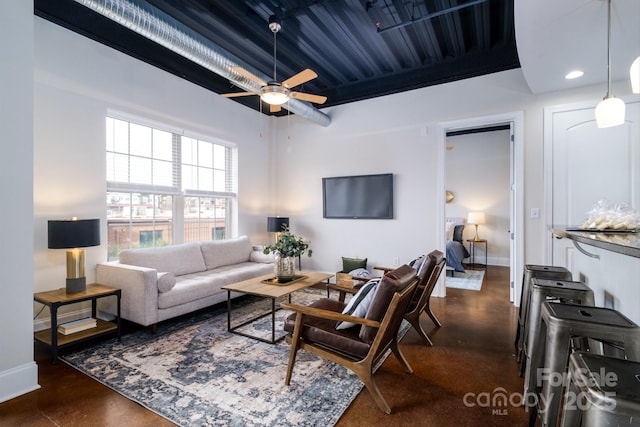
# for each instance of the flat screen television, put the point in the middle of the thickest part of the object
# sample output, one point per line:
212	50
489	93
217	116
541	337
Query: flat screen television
358	197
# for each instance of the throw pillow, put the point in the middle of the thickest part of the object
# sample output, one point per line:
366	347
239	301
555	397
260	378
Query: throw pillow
258	256
457	233
166	281
360	302
449	230
416	264
349	264
360	272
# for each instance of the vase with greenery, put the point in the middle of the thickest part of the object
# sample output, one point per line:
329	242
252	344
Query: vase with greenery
286	249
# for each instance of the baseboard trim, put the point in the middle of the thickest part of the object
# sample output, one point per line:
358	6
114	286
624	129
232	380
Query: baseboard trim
17	381
501	262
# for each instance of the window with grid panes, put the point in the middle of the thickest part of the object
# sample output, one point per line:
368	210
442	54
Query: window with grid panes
165	188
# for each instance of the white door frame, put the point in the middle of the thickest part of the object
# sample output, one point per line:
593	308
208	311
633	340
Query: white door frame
517	166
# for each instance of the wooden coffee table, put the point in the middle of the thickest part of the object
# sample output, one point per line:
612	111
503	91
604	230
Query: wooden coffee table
257	287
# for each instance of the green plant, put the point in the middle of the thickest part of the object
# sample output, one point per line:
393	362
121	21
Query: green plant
289	245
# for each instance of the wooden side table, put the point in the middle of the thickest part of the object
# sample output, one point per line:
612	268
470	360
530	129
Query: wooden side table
472	247
59	297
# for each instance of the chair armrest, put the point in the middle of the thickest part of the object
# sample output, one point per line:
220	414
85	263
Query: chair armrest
327	314
385	270
139	285
342	288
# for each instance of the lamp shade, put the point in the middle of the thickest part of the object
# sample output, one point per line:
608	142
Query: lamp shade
610	112
275	224
634	73
476	218
67	234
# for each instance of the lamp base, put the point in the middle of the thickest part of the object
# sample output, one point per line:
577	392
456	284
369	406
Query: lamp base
78	284
476	237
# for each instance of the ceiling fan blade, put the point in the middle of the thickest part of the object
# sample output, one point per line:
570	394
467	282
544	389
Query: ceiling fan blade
302	77
316	99
236	94
275	108
244	73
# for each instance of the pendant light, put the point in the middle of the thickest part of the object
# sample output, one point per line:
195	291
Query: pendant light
610	111
634	73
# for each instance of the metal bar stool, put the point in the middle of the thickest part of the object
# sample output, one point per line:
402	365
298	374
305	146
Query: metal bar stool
531	271
564	291
560	323
602	391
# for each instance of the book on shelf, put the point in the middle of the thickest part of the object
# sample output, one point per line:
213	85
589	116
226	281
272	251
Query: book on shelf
77	326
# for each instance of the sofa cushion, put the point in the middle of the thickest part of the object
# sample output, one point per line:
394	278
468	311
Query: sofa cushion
217	253
176	259
166	281
200	285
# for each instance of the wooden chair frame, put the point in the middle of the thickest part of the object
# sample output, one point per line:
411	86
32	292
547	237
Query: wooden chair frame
425	291
363	368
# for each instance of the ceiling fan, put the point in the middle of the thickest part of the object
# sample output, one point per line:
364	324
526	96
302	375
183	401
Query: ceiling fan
273	92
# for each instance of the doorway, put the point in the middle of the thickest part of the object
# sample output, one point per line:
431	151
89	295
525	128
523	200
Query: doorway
478	176
515	121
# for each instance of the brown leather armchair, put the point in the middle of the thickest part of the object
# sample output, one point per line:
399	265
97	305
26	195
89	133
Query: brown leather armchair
428	275
358	348
427	279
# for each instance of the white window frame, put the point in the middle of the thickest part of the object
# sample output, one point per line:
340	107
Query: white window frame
178	217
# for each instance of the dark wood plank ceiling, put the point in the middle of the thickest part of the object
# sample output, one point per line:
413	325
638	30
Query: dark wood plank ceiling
359	49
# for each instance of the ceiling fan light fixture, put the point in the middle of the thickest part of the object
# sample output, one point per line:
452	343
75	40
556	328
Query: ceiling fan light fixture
274	94
610	112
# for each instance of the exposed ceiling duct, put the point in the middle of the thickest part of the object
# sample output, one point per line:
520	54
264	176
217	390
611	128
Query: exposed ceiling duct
159	27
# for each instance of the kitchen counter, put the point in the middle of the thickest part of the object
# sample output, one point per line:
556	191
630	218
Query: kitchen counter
622	243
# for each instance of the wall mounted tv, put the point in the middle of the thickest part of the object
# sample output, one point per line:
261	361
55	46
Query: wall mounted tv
358	197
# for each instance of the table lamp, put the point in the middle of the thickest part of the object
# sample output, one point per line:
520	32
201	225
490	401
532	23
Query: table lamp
275	224
74	234
476	218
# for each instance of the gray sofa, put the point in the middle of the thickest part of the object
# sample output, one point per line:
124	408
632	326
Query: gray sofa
165	282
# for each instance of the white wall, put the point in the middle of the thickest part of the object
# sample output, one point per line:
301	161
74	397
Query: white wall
398	134
477	171
18	371
74	89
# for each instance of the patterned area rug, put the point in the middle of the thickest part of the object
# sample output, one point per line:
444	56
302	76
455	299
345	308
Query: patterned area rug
194	372
470	280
